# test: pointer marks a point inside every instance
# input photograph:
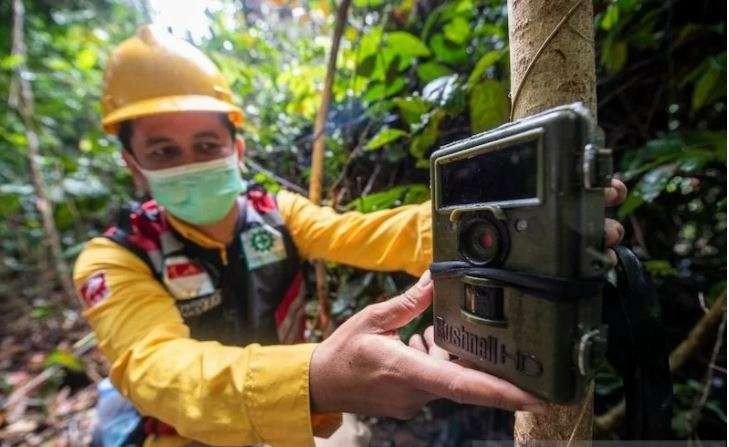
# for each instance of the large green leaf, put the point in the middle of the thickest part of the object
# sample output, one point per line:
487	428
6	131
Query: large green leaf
382	90
406	44
483	64
412	108
384	136
429	71
447	51
427	138
488	105
457	30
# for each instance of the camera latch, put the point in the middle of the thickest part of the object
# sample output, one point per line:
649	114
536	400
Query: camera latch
597	167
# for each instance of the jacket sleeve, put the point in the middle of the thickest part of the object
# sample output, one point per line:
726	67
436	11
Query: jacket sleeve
394	239
209	392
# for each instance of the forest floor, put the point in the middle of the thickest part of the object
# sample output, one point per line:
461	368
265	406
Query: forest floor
36	342
48	394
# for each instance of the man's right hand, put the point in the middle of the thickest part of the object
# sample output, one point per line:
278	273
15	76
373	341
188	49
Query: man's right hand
364	368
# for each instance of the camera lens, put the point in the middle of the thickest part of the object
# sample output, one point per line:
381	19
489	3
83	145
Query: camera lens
480	242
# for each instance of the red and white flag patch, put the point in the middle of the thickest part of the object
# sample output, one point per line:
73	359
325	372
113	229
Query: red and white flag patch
185	278
95	289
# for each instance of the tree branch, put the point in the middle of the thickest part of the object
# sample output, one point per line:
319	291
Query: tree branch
24	107
317	157
697	338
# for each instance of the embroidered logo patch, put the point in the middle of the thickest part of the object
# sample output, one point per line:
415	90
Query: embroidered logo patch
185	278
262	245
94	290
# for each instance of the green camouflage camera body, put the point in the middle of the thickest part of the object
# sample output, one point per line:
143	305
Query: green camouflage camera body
518	261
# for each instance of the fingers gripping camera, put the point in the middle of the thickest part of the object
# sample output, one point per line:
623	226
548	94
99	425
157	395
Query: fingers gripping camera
518	250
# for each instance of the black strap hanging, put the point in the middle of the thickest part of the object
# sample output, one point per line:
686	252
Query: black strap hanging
637	348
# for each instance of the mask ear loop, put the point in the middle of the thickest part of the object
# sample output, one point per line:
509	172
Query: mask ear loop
243	174
141	190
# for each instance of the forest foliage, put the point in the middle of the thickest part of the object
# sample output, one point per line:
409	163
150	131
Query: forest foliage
412	75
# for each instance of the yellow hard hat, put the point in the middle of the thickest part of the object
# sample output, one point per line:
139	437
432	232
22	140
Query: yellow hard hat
155	72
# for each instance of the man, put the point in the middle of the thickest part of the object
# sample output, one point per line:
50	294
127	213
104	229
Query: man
183	290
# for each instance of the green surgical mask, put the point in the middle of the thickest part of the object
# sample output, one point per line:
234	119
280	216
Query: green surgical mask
199	193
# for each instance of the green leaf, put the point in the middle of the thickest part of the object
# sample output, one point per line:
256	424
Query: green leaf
417	325
11	61
370	44
716	407
611	17
632	203
425	140
86	58
406	44
488	105
483	64
457	30
384	136
432	70
448	52
368	3
707	88
64	359
660	267
411	108
397	196
42	312
366	66
380	90
614	55
9	204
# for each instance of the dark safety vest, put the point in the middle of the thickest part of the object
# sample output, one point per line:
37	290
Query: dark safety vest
255	296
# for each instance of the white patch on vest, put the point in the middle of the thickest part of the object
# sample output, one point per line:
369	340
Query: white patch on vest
262	245
186	279
198	306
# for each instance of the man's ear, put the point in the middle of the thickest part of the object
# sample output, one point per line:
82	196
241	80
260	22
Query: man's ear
140	182
240	147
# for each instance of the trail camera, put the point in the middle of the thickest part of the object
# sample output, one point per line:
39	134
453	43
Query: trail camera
518	215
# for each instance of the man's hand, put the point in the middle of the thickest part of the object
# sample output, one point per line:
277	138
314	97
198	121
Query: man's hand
364	368
614	232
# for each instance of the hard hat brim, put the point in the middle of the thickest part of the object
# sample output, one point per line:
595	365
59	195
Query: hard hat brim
168	104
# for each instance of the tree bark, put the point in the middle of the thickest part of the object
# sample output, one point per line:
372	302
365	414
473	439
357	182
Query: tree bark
552	63
25	106
317	157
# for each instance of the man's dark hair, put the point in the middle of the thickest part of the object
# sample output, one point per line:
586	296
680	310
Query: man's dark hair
126	128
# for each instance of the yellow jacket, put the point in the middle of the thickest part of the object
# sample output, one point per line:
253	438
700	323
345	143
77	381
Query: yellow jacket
232	395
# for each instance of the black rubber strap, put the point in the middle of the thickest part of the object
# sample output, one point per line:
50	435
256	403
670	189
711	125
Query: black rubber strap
547	287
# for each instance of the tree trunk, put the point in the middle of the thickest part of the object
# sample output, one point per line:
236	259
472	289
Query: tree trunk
317	158
24	105
552	63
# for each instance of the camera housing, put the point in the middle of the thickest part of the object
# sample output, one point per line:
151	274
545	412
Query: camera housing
518	215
